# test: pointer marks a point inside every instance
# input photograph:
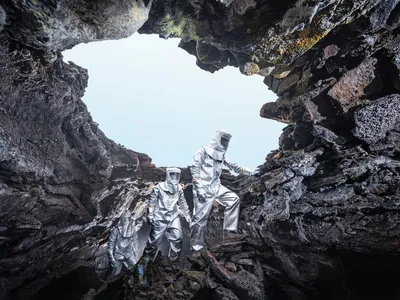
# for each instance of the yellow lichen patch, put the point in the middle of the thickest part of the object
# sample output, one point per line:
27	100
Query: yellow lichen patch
306	40
309	37
283	72
181	27
280	49
138	14
175	28
251	68
281	75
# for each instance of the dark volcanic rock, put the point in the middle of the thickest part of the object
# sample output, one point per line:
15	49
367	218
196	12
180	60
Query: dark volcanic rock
322	217
54	165
258	35
349	90
60	25
378	118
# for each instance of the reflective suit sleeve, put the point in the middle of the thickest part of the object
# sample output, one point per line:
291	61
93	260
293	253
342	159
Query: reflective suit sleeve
139	223
111	243
236	168
140	215
152	202
198	159
183	204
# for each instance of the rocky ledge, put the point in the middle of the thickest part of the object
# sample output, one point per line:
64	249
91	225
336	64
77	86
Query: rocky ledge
322	216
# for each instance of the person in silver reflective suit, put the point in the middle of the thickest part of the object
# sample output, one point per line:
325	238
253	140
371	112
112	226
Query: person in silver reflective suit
206	170
123	243
163	215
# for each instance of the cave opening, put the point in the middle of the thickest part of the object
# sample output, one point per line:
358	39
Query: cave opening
160	121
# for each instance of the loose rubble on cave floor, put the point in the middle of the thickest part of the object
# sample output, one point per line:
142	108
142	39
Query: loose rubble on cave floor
213	273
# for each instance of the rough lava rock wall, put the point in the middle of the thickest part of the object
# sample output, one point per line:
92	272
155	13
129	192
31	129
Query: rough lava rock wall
62	181
322	216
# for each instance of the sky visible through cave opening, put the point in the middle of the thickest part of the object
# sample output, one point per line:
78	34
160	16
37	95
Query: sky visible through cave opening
148	95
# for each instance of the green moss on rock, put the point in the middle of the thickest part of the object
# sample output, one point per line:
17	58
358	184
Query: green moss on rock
181	26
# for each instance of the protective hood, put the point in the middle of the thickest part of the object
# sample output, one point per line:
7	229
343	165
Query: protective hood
171	183
126	225
218	145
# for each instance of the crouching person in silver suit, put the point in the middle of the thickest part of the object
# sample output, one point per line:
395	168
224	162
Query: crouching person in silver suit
123	244
163	215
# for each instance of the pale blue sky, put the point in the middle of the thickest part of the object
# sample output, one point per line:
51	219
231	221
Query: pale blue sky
148	95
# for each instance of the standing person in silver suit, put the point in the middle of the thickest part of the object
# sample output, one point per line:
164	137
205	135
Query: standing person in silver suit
163	215
206	170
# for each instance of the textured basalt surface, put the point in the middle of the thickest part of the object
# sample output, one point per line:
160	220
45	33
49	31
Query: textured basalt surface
323	214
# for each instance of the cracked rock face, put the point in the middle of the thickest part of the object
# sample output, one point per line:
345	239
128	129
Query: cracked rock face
321	217
61	180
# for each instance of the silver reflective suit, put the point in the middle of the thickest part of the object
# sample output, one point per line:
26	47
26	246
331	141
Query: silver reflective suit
163	214
123	244
206	170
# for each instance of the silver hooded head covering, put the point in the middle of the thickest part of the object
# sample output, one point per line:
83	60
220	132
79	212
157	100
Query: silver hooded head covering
218	145
171	183
126	224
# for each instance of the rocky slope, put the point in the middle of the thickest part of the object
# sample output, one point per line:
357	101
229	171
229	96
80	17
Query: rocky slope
323	214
